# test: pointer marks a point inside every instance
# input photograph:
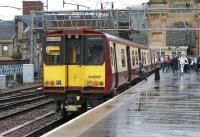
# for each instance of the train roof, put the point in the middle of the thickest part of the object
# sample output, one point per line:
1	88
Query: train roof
88	31
124	41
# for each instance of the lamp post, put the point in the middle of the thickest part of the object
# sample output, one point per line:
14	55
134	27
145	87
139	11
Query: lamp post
198	37
177	51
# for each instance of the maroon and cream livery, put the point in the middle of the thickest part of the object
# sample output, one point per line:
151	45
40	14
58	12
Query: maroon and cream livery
81	66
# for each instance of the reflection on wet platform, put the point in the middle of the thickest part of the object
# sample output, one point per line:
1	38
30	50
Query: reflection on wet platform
168	108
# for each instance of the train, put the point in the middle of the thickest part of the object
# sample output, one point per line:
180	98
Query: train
82	66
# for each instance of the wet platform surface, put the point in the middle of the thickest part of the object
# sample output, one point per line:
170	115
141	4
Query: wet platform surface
166	108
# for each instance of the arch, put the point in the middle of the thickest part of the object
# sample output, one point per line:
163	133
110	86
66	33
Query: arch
185	38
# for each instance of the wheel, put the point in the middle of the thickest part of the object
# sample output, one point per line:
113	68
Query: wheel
83	107
58	106
63	110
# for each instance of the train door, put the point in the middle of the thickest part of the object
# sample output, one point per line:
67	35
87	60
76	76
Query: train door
128	62
74	61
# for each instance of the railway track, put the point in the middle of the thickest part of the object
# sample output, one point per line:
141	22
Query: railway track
19	91
14	104
12	131
23	110
38	125
20	97
50	126
34	112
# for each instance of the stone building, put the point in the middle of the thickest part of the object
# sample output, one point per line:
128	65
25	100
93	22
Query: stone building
170	41
7	33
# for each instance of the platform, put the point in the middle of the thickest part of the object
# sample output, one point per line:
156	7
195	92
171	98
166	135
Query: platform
166	108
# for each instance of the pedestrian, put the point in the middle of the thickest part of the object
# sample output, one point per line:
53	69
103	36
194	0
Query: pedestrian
162	61
182	64
142	71
169	63
175	64
198	64
165	64
186	65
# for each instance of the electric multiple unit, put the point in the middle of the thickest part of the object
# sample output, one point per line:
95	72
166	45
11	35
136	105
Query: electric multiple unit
83	66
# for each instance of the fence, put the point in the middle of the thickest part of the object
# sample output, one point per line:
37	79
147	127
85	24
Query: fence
11	69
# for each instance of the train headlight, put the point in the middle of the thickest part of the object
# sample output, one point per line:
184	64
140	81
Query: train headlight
52	83
95	83
78	98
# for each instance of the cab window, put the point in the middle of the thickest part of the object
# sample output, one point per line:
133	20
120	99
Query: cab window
73	52
53	52
94	50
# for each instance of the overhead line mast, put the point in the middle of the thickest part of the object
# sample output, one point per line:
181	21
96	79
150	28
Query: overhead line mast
78	5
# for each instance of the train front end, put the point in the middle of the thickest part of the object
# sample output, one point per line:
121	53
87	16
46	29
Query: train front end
74	68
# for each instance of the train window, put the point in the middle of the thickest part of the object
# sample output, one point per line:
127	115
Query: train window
133	57
136	54
111	55
147	58
94	50
123	58
53	52
73	50
142	57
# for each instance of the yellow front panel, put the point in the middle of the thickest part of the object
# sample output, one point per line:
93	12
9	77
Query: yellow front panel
75	75
78	76
94	73
55	73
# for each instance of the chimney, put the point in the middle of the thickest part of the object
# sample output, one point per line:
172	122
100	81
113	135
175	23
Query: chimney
32	5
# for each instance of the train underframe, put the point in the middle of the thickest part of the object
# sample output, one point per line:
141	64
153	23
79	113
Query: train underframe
74	101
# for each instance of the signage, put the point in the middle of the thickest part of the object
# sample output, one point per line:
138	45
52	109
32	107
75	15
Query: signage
53	38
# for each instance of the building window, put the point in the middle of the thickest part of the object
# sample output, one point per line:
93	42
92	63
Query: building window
163	54
5	50
182	5
174	54
123	58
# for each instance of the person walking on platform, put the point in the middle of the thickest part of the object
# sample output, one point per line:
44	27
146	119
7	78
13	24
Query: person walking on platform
198	64
142	71
182	64
169	60
165	65
175	64
186	65
162	61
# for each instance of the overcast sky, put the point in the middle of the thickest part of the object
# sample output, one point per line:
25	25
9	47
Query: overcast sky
9	13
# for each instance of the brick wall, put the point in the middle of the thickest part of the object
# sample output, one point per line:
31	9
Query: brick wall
32	5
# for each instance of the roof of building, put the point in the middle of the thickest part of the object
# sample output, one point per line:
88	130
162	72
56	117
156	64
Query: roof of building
25	19
7	29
